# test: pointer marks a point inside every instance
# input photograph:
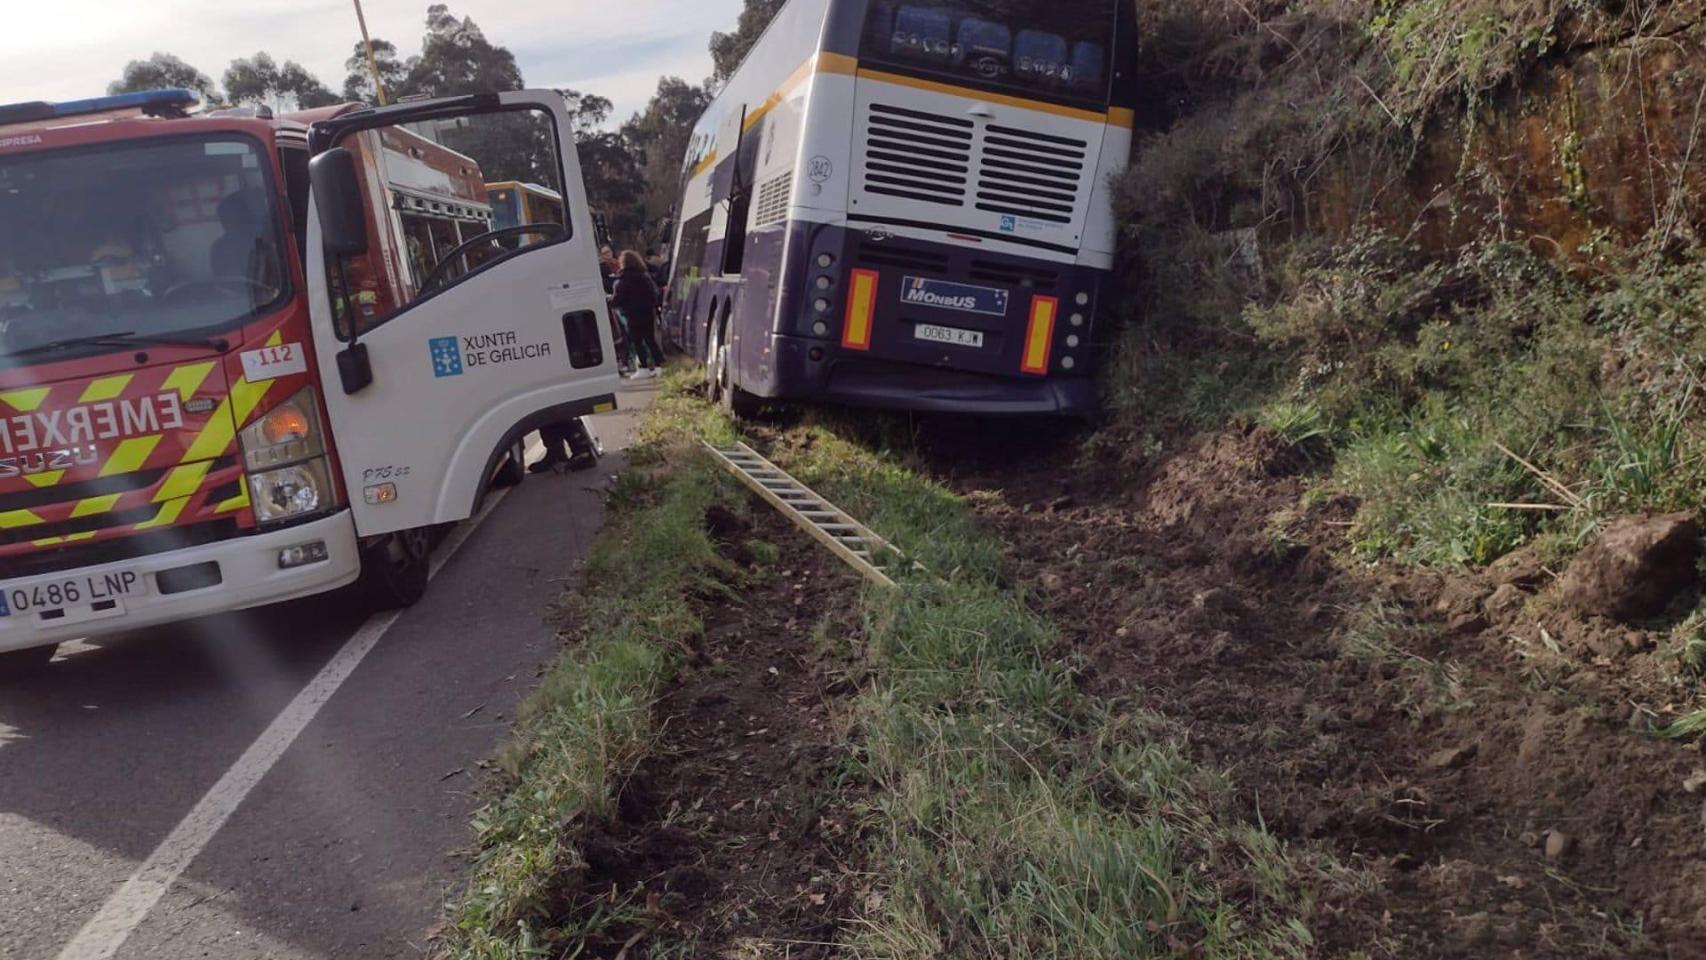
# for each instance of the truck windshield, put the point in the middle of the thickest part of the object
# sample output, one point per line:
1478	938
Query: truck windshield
1044	49
155	240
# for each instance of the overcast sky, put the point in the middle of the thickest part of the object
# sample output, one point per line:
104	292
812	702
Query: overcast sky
615	48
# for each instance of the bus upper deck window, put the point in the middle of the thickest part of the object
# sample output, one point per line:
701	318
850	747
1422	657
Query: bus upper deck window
1088	61
1041	55
987	45
923	32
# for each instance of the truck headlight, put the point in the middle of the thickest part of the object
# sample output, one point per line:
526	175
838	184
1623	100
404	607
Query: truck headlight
288	433
290	492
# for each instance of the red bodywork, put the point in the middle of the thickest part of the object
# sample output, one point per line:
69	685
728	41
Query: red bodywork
107	450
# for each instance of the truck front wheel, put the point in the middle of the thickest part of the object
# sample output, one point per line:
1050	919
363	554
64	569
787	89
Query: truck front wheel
394	568
19	664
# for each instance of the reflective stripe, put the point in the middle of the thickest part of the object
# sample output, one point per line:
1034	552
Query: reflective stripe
238	502
245	396
47	479
94	505
167	516
24	401
861	307
187	379
130	455
1039	337
105	388
18	518
182	481
214	437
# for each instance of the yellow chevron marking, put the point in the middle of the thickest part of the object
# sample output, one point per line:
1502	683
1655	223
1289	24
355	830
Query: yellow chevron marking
85	535
183	481
130	455
214	437
18	518
238	502
24	401
94	505
47	479
105	388
276	338
187	379
167	516
246	396
47	541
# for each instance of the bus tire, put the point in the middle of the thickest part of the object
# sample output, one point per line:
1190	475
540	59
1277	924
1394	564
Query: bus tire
25	663
514	468
394	568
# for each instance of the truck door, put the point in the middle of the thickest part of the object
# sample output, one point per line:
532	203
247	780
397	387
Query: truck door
446	338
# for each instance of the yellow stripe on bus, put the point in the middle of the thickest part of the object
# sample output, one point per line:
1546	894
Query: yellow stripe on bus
94	505
183	481
24	401
130	455
105	388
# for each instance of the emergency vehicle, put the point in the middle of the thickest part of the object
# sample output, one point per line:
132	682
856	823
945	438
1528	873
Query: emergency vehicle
246	359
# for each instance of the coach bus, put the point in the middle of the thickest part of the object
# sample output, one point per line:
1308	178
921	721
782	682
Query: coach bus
908	204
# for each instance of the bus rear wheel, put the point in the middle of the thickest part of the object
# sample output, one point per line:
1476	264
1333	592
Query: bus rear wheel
724	391
394	568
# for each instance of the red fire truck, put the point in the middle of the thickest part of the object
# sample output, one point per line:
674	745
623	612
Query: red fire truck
246	358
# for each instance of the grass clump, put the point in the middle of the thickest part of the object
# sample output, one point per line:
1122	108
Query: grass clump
1011	814
589	723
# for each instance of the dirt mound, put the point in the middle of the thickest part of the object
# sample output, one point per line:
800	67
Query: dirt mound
726	837
1634	568
1500	790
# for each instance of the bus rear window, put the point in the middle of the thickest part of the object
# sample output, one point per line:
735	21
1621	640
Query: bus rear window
1044	48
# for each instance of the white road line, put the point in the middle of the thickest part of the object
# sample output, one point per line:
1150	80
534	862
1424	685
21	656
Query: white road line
102	936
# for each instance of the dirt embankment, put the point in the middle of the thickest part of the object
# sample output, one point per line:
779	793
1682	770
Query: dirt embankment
729	839
1483	754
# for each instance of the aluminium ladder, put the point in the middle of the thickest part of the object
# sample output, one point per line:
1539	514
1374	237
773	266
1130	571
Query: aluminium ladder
846	537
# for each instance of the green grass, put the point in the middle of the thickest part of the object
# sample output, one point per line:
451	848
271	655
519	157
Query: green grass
589	723
1010	814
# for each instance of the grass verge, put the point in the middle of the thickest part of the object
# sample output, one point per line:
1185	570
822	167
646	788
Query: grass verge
1010	814
1003	811
583	731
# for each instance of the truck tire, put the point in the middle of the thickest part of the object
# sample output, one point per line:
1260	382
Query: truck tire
20	664
394	568
514	468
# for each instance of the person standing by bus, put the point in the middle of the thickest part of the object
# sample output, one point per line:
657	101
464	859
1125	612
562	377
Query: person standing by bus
636	297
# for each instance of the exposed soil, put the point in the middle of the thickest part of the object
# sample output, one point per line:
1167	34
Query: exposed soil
726	843
1484	757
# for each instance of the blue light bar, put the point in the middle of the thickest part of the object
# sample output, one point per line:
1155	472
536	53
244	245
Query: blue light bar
155	103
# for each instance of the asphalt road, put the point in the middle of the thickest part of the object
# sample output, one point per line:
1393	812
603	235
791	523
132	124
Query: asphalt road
356	831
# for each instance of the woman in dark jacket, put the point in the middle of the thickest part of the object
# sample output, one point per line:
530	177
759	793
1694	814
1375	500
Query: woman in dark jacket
637	297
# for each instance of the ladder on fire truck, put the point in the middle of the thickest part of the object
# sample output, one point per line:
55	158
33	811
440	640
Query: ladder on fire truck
861	547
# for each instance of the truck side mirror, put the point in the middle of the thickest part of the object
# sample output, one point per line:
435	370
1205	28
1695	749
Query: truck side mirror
337	195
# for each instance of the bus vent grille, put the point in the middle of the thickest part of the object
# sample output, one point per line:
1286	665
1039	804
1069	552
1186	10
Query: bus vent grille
1014	276
772	206
1030	174
918	156
890	254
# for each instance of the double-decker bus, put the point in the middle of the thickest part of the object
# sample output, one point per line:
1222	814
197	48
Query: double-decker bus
908	204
